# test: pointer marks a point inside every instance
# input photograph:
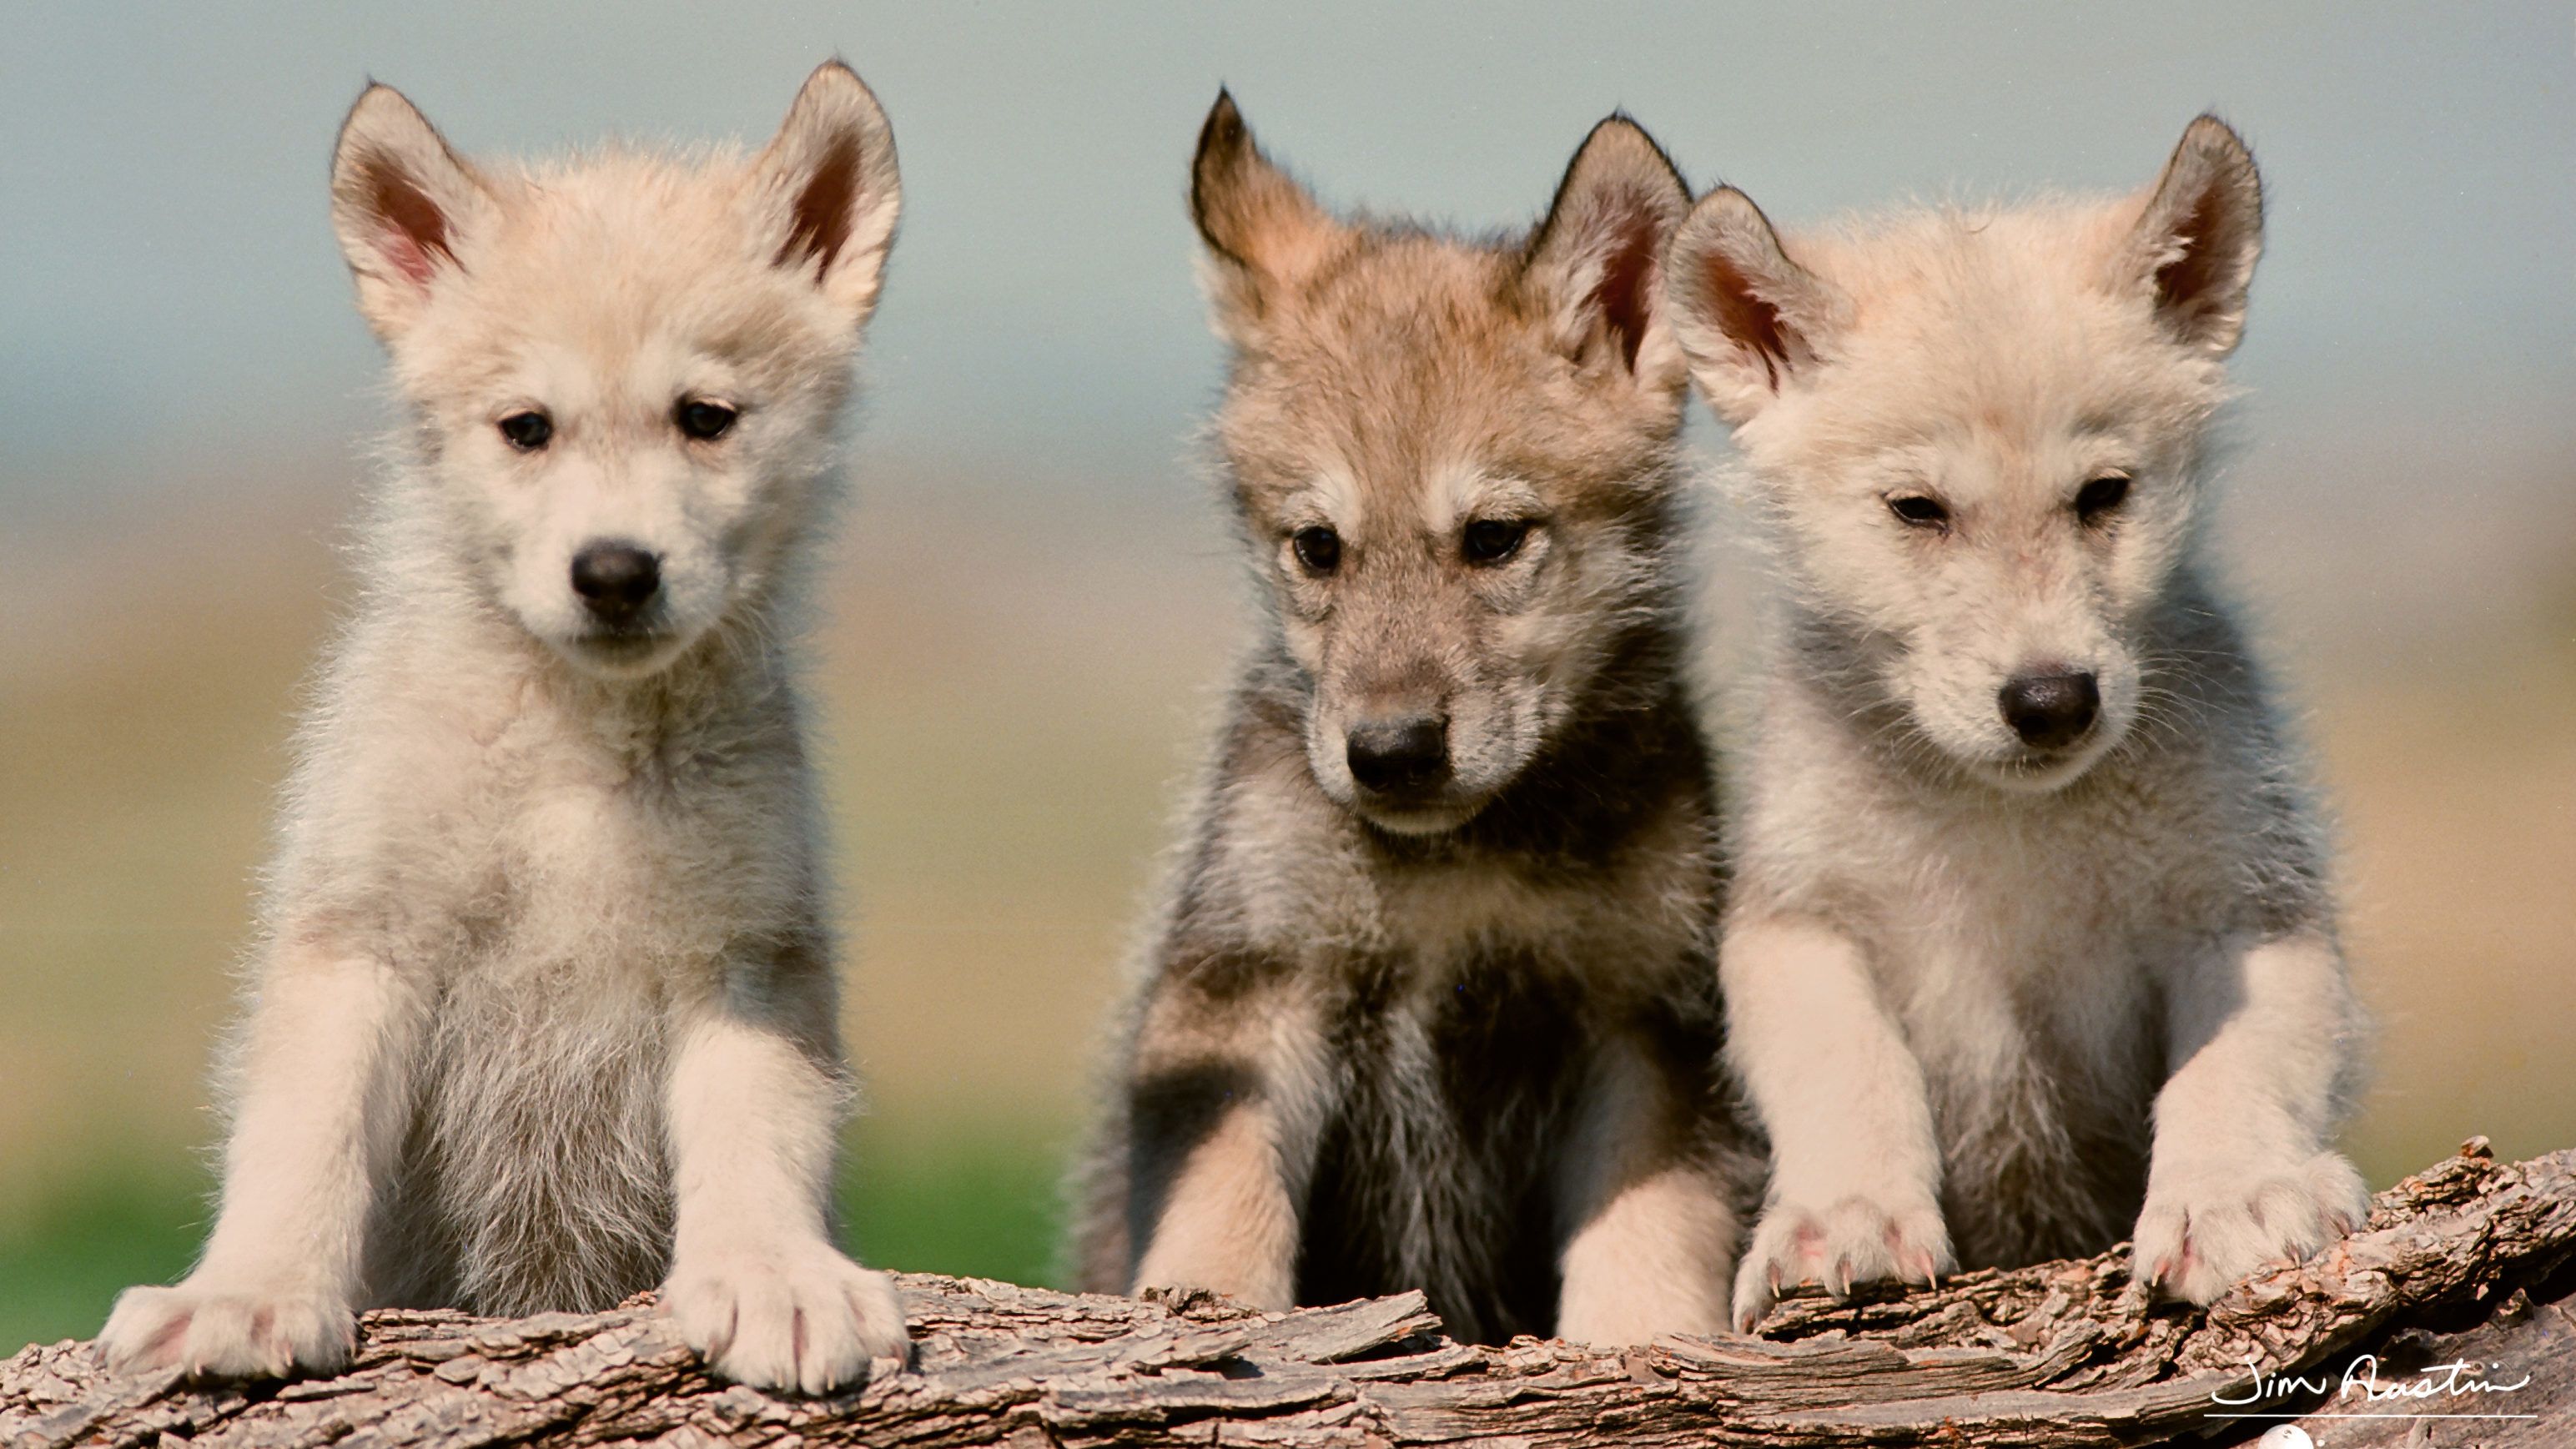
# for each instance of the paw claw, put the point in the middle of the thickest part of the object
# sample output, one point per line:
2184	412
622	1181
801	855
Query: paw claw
2204	1229
1853	1241
216	1331
802	1319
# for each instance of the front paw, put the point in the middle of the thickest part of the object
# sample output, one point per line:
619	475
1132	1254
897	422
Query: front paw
215	1332
1855	1239
1642	1312
2208	1228
800	1320
1253	1280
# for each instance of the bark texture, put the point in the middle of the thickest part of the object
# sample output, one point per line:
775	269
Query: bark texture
2469	1261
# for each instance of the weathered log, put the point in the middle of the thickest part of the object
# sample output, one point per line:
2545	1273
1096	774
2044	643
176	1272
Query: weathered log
2470	1259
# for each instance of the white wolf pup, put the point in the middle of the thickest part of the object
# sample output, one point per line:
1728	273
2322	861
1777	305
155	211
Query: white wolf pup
1433	1003
2030	935
544	1006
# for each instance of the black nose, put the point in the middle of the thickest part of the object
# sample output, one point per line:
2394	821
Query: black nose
2051	711
616	580
1398	756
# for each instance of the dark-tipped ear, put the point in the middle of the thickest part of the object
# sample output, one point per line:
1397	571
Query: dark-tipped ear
400	200
2196	241
1263	232
831	190
1598	258
1748	317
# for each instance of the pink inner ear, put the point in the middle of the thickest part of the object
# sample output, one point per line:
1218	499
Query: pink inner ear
407	256
820	224
413	231
1623	293
2184	284
1753	323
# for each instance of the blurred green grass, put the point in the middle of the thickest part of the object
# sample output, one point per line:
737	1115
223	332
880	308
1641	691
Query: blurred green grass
975	1201
62	1263
979	1202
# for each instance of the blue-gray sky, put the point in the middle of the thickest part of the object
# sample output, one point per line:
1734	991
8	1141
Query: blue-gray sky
171	301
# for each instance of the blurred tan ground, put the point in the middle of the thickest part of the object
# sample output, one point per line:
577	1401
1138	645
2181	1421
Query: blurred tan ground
1012	705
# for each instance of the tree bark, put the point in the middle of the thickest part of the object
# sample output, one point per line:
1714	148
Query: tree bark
2467	1260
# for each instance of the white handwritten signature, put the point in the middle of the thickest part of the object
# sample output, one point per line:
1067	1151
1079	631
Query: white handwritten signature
2457	1379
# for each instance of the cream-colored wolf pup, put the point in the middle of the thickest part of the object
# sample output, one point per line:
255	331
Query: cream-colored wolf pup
544	1007
2031	937
1433	1003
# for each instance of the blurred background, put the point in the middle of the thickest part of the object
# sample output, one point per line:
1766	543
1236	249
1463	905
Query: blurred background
1034	602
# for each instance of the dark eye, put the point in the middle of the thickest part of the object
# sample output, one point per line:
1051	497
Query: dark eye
527	431
2100	496
1492	540
1319	549
703	420
1920	510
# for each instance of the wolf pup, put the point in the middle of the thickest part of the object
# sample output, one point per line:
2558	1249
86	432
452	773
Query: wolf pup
544	1005
2023	866
1433	1001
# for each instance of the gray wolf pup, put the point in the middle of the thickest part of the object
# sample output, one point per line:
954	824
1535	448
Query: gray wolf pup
543	1009
2031	936
1432	1004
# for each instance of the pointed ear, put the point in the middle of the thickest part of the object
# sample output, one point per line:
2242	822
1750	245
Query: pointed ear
830	188
1596	261
1748	317
1263	232
2196	241
400	199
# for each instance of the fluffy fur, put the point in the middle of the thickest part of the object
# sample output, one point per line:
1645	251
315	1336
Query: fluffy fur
543	1012
2000	983
1441	1015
